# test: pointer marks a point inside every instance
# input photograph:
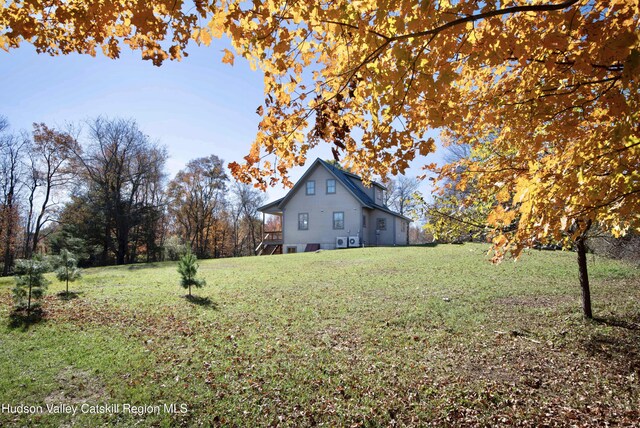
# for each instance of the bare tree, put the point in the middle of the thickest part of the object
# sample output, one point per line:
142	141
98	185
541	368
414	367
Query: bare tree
50	155
247	201
11	152
196	203
118	163
400	194
151	230
456	152
4	124
453	215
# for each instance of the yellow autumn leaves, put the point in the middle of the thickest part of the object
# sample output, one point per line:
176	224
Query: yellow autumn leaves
545	92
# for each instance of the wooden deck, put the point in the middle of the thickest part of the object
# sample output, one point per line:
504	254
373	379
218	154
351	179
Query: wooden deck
271	243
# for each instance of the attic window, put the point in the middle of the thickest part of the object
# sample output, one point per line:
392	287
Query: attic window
311	187
331	186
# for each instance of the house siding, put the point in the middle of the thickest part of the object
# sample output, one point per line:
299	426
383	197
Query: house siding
379	237
362	210
392	235
320	207
378	195
401	237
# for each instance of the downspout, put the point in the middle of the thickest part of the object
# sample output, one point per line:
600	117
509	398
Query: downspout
394	231
361	227
282	227
408	223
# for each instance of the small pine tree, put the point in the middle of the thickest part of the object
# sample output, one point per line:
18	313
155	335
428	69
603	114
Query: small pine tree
188	269
68	268
30	283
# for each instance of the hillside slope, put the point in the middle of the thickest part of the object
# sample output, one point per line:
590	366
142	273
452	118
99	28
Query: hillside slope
355	337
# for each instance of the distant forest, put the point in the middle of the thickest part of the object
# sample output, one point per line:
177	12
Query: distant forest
104	194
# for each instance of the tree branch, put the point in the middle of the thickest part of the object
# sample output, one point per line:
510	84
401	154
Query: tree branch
485	15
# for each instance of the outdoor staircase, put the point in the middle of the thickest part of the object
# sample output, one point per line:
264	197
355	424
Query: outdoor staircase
271	244
269	249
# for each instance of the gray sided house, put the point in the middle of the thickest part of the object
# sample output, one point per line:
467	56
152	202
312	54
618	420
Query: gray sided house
331	208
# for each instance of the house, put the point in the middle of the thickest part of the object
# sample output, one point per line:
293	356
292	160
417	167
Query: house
331	208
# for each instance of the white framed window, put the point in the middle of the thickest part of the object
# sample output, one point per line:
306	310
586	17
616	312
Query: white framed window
331	186
303	221
338	220
311	187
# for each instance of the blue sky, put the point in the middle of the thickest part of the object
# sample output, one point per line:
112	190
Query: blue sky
195	107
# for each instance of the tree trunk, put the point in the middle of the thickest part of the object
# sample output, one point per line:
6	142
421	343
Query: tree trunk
43	210
122	251
8	253
27	234
252	230
8	256
29	299
584	277
123	241
216	253
106	243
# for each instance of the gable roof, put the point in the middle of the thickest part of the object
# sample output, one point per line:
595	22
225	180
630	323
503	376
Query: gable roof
365	199
349	174
343	177
266	208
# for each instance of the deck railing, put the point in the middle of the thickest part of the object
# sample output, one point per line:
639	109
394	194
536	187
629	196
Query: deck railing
269	238
274	236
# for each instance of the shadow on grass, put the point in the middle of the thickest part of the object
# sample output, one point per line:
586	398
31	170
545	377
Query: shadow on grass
615	322
205	302
23	320
425	245
618	348
63	295
612	348
143	266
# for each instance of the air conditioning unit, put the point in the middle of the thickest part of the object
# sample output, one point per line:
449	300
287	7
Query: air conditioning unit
341	242
354	241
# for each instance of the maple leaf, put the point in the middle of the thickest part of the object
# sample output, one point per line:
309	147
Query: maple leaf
228	57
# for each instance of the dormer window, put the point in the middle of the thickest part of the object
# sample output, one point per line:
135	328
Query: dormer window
311	187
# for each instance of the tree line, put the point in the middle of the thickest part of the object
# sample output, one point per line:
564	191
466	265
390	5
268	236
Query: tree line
102	192
550	111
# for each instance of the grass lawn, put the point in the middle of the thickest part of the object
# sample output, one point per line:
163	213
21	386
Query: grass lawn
364	337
